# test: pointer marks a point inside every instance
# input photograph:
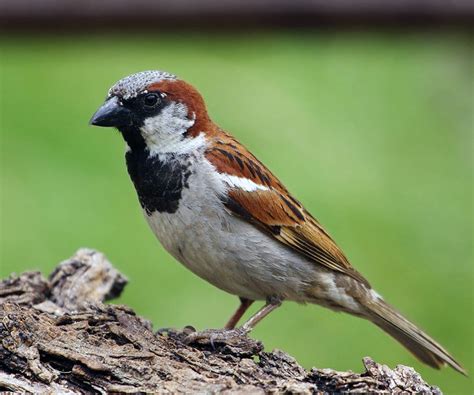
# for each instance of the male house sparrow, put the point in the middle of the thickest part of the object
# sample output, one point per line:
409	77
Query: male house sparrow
220	212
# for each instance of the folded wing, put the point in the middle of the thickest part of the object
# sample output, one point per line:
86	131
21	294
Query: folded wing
257	196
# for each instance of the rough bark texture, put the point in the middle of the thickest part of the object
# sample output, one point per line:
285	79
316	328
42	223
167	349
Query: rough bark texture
56	335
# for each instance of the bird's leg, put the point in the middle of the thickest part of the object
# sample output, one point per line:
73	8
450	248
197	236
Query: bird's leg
223	335
244	305
272	304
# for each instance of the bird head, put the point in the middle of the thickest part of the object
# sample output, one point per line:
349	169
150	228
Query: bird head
154	110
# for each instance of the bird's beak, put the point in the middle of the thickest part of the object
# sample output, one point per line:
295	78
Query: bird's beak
111	113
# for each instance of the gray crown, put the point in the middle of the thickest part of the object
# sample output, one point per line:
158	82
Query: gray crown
133	84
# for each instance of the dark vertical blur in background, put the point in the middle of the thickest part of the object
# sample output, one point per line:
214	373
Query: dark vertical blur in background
363	108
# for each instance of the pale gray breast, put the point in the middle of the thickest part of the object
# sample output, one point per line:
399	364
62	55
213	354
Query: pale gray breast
225	250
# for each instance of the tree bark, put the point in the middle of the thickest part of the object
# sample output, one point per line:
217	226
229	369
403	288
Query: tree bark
57	336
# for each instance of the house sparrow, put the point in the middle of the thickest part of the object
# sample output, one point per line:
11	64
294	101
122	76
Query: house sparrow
220	212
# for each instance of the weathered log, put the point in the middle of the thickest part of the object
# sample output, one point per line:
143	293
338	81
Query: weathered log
57	335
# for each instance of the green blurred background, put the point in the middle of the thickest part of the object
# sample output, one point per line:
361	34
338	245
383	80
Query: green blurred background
372	132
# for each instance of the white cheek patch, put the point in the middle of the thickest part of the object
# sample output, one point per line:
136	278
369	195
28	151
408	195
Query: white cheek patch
242	183
171	120
164	132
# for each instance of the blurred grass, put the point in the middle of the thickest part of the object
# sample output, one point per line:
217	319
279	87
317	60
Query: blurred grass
372	132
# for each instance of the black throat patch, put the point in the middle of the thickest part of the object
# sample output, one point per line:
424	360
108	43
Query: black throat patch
159	183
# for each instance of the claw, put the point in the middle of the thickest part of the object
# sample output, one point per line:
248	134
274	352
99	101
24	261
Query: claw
211	340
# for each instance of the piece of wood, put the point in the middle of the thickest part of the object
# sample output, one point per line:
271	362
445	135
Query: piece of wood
57	336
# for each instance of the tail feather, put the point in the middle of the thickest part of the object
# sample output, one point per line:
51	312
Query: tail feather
414	339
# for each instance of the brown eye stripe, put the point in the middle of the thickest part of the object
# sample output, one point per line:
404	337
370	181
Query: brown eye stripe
181	91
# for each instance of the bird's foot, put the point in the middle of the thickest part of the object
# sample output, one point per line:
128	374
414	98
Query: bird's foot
214	336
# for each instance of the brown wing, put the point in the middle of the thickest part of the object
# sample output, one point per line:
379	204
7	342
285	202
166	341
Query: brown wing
274	209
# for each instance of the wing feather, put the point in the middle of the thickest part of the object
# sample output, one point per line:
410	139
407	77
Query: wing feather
273	209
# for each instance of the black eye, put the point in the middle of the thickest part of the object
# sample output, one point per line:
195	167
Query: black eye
151	99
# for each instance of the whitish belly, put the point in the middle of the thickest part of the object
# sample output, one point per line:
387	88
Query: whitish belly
230	253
